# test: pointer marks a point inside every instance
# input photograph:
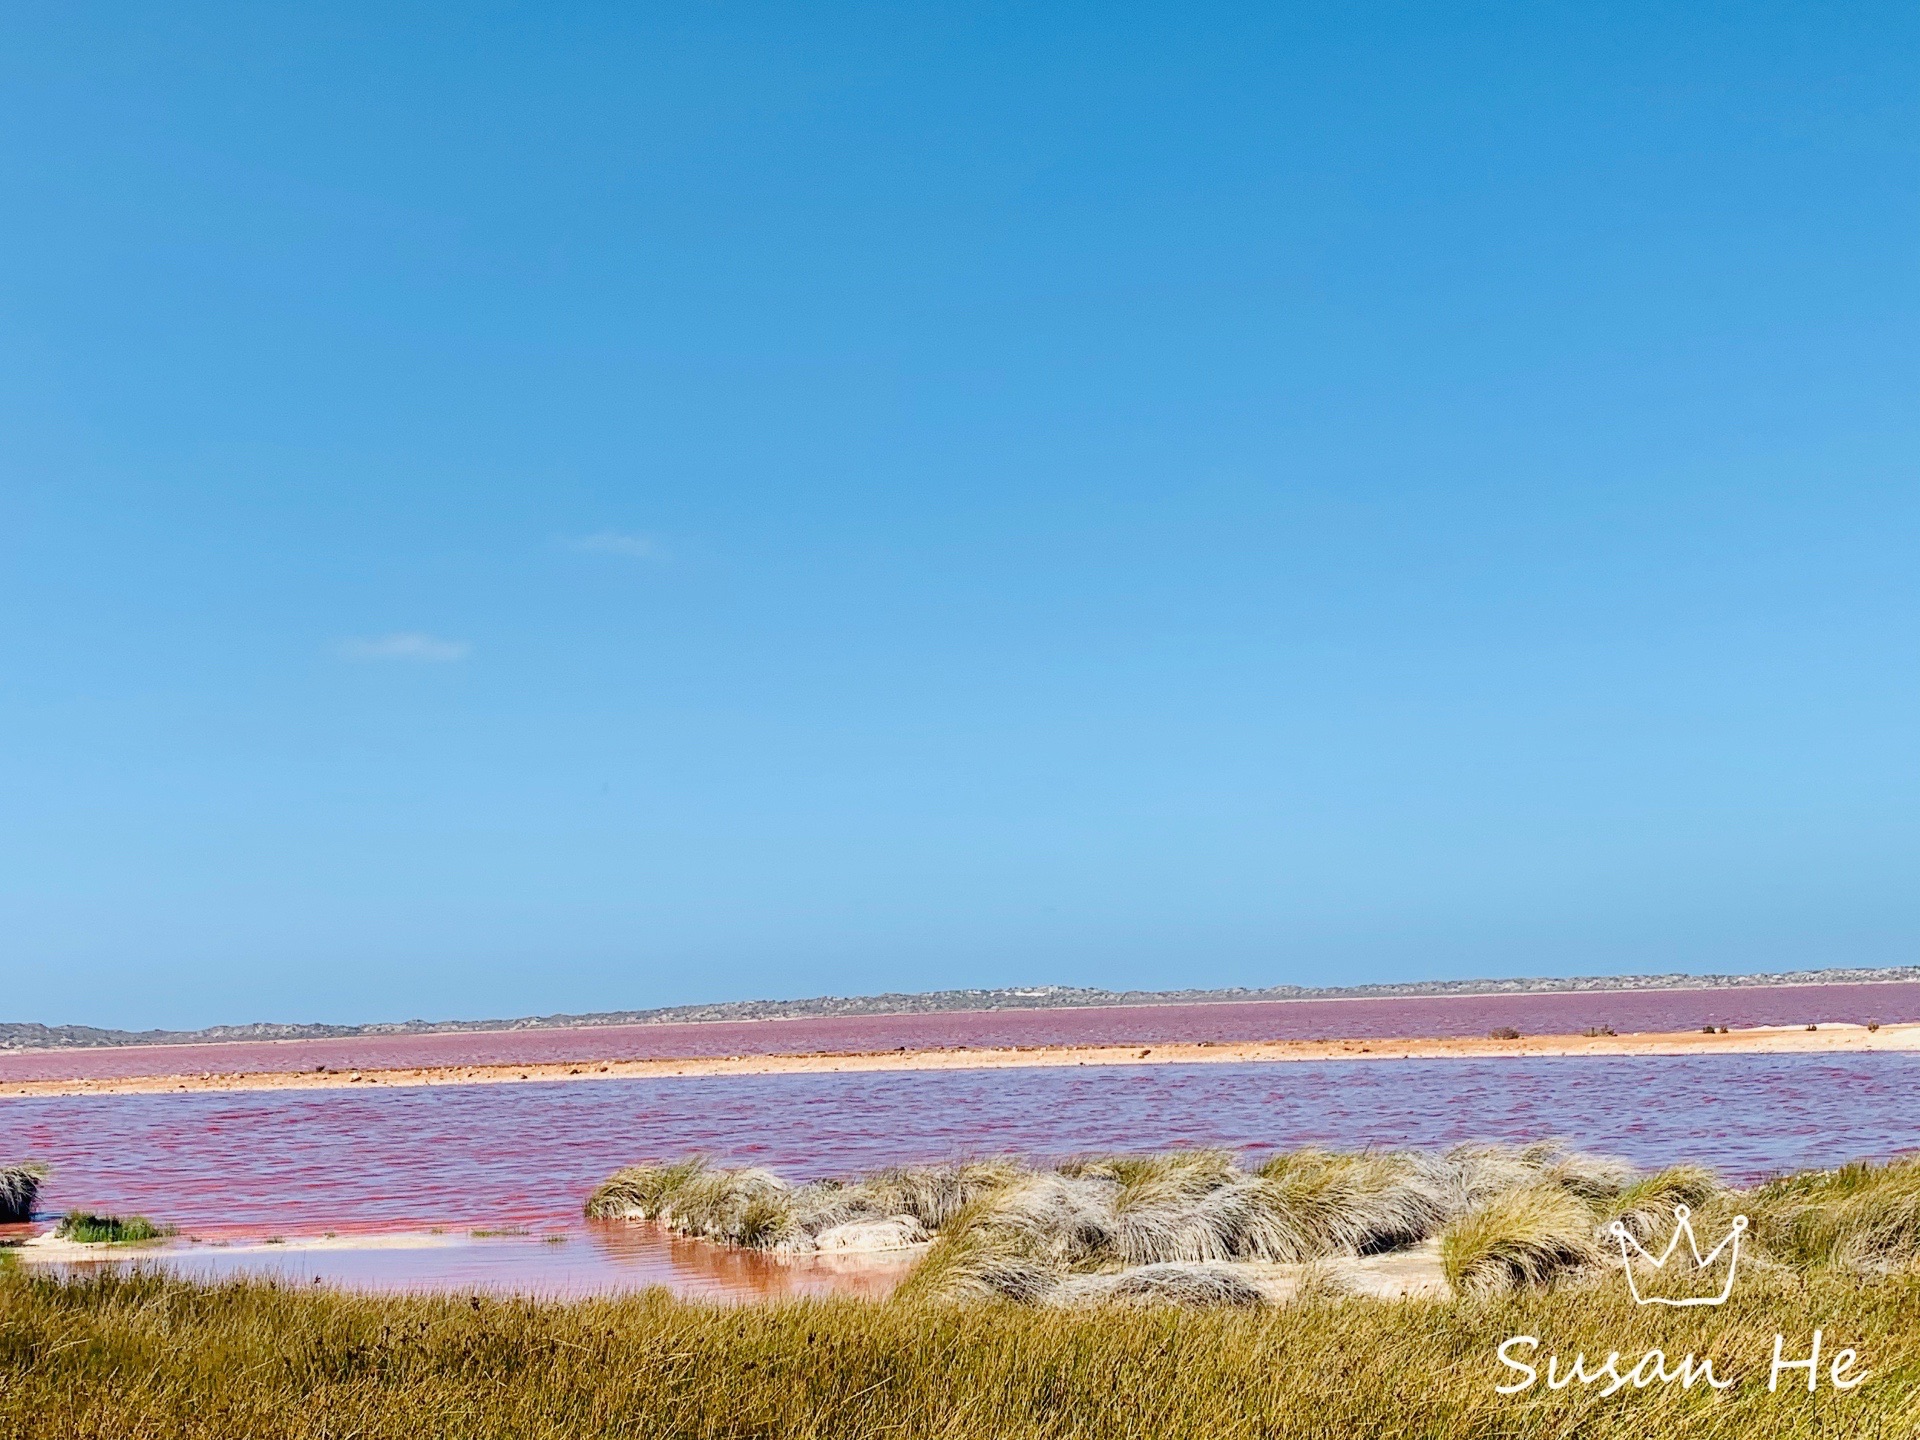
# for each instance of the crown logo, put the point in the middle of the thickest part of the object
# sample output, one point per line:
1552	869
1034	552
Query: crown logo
1682	1229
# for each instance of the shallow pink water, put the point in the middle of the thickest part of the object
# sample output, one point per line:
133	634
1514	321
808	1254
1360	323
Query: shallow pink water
1626	1011
588	1259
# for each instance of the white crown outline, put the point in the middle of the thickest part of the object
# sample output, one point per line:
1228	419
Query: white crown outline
1683	1225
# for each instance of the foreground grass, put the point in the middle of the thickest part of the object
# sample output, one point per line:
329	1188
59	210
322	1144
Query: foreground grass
147	1356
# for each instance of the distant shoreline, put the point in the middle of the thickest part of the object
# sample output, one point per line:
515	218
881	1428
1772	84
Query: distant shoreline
30	1037
1828	1039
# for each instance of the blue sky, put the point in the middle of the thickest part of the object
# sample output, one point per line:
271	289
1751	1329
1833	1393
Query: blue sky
527	508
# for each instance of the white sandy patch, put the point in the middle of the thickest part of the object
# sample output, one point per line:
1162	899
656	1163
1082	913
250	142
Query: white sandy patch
53	1249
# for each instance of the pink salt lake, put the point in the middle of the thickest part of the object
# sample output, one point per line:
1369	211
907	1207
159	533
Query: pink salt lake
243	1167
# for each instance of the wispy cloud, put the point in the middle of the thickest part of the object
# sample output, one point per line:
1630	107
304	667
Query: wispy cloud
616	542
404	645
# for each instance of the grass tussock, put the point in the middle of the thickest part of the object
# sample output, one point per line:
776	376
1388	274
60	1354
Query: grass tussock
88	1228
1650	1204
118	1357
19	1188
1522	1240
1862	1218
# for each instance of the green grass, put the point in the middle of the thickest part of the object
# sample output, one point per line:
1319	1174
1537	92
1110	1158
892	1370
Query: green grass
90	1229
138	1356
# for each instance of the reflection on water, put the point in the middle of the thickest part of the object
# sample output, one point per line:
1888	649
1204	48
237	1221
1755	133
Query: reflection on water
596	1258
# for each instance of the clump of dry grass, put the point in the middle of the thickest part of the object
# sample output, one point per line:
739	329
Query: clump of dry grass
19	1188
1651	1203
1186	1206
934	1194
1481	1172
1313	1204
737	1207
988	1253
1538	1214
1525	1239
1861	1217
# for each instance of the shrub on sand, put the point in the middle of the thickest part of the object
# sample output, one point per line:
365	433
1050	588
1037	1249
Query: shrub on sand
1522	1240
1510	1217
19	1188
90	1229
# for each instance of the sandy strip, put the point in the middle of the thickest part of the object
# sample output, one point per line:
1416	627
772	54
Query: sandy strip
1829	1039
51	1249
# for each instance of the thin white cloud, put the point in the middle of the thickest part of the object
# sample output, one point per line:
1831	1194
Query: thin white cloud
615	542
405	645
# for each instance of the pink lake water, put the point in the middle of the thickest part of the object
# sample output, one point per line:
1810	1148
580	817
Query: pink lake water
1627	1011
303	1162
240	1167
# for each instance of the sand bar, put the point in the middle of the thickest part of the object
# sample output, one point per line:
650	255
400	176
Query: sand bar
1770	1040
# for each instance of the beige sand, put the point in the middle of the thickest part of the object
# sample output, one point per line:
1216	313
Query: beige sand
1411	1274
1773	1040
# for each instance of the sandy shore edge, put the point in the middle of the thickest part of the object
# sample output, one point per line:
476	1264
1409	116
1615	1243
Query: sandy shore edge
1772	1040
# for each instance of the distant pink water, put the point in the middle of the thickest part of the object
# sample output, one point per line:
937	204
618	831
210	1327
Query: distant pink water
494	1155
1626	1011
